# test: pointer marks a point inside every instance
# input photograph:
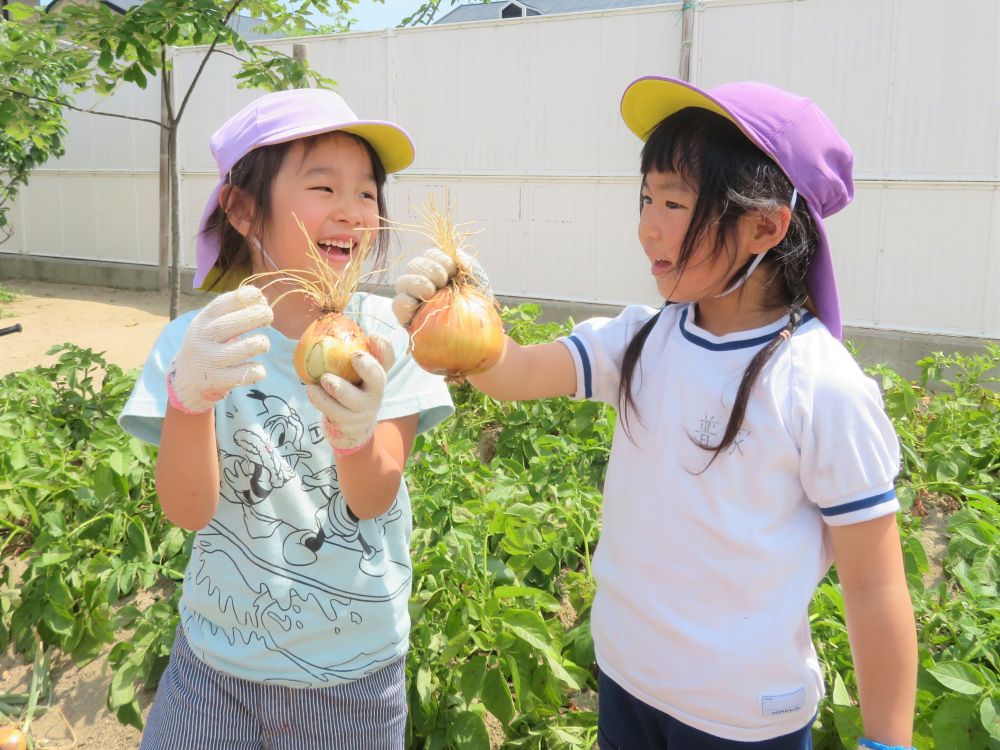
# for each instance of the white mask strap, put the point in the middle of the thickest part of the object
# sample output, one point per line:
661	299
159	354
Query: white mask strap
756	261
742	279
263	252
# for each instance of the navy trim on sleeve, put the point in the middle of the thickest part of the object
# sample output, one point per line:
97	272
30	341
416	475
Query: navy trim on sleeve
867	502
588	389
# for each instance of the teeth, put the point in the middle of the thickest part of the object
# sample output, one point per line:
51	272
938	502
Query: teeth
342	244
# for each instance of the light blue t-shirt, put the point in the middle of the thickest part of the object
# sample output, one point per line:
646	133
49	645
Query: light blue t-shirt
284	585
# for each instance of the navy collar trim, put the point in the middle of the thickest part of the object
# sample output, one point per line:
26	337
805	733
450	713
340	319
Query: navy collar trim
725	346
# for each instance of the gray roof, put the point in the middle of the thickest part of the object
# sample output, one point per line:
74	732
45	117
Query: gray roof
491	11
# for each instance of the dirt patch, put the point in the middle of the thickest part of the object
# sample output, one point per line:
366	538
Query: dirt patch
122	324
934	511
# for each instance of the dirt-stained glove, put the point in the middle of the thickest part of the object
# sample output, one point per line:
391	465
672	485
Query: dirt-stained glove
213	359
427	273
349	411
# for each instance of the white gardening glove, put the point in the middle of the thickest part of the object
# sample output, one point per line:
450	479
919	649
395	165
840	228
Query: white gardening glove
212	359
427	273
349	410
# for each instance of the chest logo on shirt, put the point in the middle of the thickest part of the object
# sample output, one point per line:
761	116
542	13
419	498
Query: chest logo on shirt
710	431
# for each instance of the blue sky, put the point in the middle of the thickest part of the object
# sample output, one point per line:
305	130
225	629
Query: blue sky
372	16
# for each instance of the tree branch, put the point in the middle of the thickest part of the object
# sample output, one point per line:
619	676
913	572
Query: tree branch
78	109
204	62
229	54
165	82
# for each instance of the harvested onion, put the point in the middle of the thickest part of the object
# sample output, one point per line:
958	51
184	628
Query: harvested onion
458	331
12	738
329	343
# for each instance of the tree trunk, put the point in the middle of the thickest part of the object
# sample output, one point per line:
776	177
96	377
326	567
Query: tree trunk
175	223
163	269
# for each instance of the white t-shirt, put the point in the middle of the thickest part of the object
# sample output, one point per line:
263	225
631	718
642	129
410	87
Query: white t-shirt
704	576
284	585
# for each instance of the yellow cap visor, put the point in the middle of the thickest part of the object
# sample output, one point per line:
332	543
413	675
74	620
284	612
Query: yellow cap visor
648	101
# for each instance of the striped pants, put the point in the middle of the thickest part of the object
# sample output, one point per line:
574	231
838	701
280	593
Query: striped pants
200	708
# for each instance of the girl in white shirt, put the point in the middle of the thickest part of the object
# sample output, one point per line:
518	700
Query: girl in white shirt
751	451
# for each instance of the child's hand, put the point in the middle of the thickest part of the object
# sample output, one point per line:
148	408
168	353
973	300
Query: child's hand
426	274
212	359
348	410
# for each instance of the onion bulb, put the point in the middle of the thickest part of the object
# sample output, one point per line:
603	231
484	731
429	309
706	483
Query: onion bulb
329	342
457	332
328	345
12	738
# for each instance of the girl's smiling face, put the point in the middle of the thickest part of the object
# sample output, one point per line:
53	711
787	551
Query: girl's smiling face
331	188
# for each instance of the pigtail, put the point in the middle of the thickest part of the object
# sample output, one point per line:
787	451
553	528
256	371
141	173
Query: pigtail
749	380
630	361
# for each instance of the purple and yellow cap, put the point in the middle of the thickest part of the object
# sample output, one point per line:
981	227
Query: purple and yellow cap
280	117
790	129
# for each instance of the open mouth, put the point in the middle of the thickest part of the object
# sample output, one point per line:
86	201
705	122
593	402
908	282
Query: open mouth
661	267
339	249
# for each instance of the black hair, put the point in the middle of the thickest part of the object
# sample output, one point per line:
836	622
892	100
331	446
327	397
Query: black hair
254	174
732	177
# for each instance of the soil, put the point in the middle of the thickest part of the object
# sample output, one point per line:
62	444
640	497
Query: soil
122	324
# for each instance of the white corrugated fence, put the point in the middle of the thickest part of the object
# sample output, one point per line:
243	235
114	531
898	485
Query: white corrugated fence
518	121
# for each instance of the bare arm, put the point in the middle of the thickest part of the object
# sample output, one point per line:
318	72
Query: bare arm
187	468
524	373
880	626
370	477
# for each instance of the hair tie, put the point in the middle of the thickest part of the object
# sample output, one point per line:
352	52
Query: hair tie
785	334
795	198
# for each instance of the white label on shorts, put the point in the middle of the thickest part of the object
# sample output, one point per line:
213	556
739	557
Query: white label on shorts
785	703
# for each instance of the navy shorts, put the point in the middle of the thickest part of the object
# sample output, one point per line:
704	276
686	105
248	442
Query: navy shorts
200	708
626	723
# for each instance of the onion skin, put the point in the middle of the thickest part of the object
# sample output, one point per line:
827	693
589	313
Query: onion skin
327	346
457	332
12	738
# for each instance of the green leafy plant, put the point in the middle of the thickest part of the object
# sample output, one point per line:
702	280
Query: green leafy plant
506	500
77	507
949	429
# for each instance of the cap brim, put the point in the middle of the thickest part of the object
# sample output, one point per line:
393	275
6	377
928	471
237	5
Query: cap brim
390	142
650	99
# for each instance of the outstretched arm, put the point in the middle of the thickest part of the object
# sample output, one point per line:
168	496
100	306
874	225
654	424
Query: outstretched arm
880	626
528	372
